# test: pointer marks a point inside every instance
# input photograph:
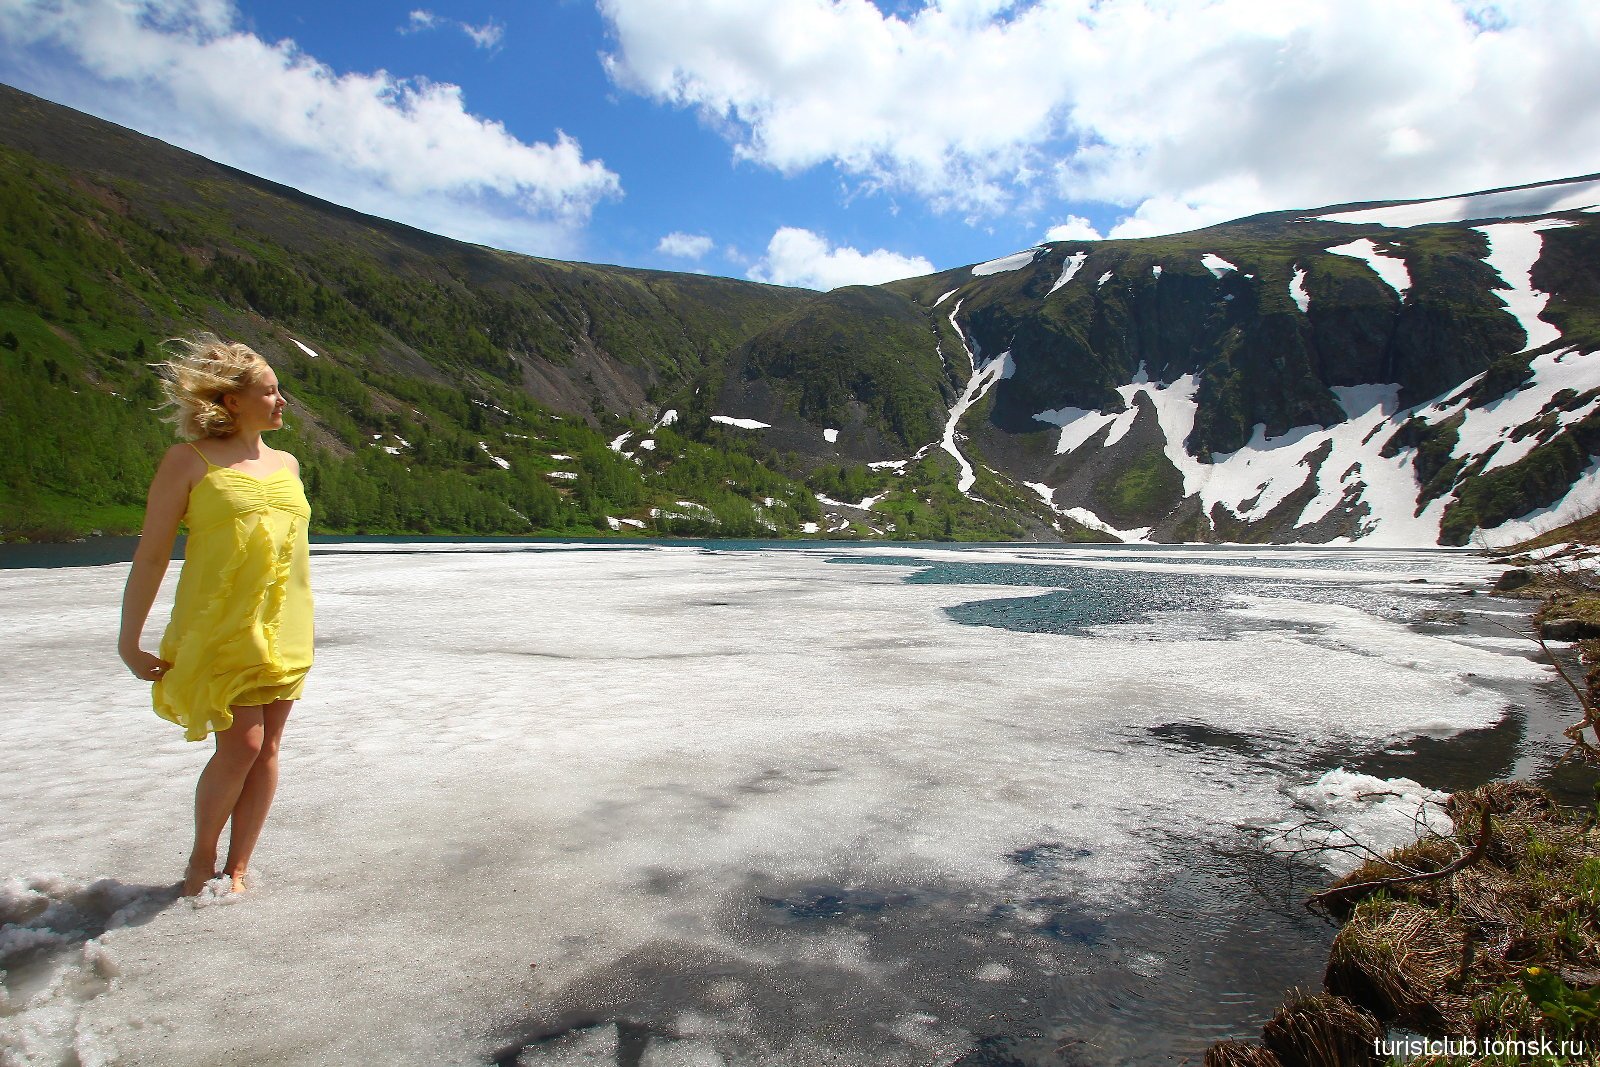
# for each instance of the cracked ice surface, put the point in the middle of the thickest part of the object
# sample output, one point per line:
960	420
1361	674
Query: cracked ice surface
597	760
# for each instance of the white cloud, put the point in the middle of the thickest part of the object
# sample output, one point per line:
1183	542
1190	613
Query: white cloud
1201	106
486	36
800	257
686	245
406	149
420	20
1076	228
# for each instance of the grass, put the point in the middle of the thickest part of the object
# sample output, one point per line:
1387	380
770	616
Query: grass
1506	947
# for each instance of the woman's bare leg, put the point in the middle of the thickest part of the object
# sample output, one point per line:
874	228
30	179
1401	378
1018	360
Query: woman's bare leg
220	785
255	799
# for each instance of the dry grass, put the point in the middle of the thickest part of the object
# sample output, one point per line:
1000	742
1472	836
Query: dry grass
1401	961
1240	1054
1502	942
1449	956
1319	1030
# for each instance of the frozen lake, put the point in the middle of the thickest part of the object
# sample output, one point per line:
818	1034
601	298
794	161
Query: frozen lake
676	805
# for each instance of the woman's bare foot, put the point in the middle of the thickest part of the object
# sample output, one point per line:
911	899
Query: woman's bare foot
195	877
238	882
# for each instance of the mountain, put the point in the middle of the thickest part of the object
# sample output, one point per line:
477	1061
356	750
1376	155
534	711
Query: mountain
1394	373
436	386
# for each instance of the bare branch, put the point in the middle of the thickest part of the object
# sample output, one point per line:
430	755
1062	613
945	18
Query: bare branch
1465	860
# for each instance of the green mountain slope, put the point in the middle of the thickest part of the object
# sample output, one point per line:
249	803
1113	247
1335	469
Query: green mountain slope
448	382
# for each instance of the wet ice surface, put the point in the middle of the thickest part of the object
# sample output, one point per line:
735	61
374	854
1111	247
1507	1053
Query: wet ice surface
671	805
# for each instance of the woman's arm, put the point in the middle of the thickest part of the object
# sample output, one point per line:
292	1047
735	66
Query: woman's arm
169	498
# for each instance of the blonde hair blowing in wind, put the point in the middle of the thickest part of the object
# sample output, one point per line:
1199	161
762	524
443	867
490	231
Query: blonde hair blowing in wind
203	369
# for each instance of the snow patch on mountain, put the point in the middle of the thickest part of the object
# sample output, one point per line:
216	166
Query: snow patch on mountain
1344	462
979	382
1087	518
1080	424
1514	248
1106	277
1492	425
1508	204
1581	500
1391	269
1015	261
743	424
1070	267
1216	264
1297	290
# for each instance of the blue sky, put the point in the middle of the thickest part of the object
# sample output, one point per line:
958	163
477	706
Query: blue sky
824	142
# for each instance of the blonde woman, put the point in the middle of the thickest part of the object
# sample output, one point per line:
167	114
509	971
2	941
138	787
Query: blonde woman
236	652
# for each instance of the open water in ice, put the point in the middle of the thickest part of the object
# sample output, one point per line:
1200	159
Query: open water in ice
737	803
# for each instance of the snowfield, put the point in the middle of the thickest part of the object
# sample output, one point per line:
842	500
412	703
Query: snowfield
1510	203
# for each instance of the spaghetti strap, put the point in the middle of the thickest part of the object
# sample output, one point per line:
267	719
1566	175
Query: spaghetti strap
202	455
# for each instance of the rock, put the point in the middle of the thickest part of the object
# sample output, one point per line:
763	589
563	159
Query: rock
1515	578
1568	630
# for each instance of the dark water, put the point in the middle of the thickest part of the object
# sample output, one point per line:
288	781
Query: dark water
1025	973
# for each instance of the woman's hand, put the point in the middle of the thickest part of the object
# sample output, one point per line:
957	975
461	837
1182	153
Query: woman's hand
144	665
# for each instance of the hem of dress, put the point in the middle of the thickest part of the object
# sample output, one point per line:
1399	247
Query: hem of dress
217	720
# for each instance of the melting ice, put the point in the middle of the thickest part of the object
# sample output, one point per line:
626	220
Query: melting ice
556	805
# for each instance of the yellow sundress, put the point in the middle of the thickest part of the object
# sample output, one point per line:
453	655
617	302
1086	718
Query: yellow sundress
241	629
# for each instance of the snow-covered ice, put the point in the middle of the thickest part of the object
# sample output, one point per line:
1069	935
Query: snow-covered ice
1346	818
831	436
302	347
743	424
698	791
1216	264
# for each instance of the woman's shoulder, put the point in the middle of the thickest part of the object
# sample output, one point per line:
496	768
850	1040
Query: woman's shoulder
289	460
184	456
